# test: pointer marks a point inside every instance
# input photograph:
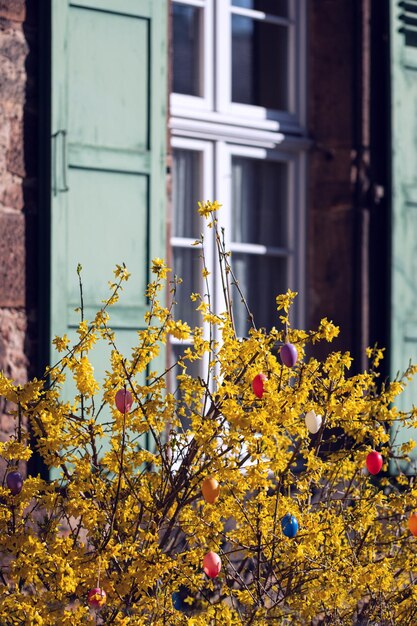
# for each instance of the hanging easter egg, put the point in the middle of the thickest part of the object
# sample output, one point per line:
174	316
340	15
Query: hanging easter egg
374	462
289	525
258	385
178	600
313	422
96	598
123	400
412	524
14	481
212	564
210	489
288	354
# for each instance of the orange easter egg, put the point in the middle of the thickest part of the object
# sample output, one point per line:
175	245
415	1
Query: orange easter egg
412	524
210	489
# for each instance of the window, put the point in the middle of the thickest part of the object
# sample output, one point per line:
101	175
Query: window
192	174
259	222
238	136
192	53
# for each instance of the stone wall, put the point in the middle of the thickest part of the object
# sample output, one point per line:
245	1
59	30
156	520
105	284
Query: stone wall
18	189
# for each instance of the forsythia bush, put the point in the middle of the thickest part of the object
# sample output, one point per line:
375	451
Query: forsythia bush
253	503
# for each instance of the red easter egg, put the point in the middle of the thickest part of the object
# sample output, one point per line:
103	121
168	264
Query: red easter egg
212	564
123	400
412	524
374	462
210	489
258	385
288	354
96	598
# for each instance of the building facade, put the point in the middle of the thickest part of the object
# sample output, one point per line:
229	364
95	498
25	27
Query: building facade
118	115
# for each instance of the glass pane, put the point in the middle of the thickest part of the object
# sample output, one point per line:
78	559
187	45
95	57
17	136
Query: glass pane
259	63
187	265
259	202
187	37
260	279
186	185
194	369
273	7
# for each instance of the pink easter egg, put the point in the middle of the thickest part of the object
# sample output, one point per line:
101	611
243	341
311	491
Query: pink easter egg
124	400
212	564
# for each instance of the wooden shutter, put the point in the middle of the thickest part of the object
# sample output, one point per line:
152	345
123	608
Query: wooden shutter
109	62
404	203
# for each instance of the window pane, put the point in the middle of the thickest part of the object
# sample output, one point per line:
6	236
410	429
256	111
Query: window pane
187	265
187	37
259	202
260	279
273	7
186	185
194	369
259	63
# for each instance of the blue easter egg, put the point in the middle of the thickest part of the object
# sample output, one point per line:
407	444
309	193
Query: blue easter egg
177	601
289	525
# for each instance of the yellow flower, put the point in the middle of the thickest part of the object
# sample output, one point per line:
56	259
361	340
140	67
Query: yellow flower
61	343
160	268
178	329
284	301
84	377
207	208
121	272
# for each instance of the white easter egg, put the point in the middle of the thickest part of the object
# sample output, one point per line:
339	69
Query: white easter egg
313	422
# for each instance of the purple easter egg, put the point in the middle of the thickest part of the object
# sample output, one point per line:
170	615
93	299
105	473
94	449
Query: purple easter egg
288	354
14	482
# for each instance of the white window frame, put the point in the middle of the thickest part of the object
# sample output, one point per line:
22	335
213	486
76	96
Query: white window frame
224	103
206	150
221	129
215	106
205	102
295	209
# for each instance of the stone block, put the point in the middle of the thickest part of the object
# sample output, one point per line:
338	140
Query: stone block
15	156
12	260
11	192
13	52
14	362
14	10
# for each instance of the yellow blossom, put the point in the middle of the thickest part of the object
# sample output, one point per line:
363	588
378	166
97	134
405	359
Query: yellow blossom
84	377
207	207
61	343
159	268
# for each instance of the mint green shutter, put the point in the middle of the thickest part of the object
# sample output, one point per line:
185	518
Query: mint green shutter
404	203
109	62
